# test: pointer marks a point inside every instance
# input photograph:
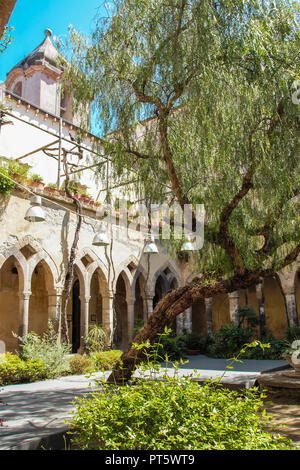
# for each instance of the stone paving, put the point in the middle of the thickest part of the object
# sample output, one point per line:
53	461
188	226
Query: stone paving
29	412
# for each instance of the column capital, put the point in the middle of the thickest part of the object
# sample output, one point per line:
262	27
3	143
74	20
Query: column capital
25	294
85	298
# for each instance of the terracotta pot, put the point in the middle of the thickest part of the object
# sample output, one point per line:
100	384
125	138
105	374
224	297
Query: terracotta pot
296	367
51	190
37	184
192	352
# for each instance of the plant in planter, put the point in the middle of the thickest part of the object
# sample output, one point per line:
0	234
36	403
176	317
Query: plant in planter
36	181
52	188
17	171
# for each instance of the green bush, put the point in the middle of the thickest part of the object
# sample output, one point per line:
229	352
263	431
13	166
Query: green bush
198	341
171	346
228	341
46	348
106	360
14	370
175	414
5	184
275	350
292	333
97	340
81	364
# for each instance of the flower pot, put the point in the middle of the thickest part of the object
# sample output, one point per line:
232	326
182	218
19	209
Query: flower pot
294	365
51	190
37	184
192	352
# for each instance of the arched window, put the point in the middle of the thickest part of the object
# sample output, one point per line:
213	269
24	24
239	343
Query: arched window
18	89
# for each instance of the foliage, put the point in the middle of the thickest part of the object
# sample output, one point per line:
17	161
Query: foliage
80	364
36	178
172	414
273	352
246	317
197	341
215	80
106	360
6	38
292	333
52	185
96	340
47	349
171	346
17	171
14	370
228	341
138	324
5	184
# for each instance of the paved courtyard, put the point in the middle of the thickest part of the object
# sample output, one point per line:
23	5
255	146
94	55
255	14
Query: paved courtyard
30	412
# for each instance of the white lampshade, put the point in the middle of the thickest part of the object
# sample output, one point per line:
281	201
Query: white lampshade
150	246
35	214
100	239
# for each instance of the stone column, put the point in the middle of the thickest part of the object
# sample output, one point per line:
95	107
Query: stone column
261	307
84	324
234	303
24	312
130	319
54	306
209	315
148	306
187	320
291	306
180	320
108	313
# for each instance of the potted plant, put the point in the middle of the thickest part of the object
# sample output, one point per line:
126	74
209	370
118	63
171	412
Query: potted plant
17	171
36	181
52	188
292	355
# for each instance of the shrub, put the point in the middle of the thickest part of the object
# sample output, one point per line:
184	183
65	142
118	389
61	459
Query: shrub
81	364
18	171
5	184
36	178
175	414
292	333
199	341
275	350
46	348
14	370
97	340
171	346
228	341
106	360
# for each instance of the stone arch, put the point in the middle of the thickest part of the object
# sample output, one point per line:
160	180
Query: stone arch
17	89
11	288
42	283
167	277
39	257
139	296
121	305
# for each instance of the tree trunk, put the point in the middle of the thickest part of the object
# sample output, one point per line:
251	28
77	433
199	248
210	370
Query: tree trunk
167	310
6	9
70	270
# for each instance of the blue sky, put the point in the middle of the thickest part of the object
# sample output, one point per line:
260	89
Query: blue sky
30	18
